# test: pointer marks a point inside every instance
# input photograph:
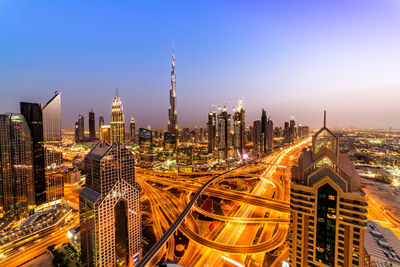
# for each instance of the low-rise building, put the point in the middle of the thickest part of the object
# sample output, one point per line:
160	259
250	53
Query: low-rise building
381	245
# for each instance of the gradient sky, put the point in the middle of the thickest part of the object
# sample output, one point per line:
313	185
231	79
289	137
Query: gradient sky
290	57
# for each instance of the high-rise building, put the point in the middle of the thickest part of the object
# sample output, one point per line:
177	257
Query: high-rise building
264	131
105	133
51	112
117	121
239	127
32	113
305	131
270	134
201	135
92	127
257	148
17	188
145	139
328	209
299	131
109	206
224	131
101	122
172	113
44	122
80	129
76	136
212	131
132	128
292	130
286	133
169	142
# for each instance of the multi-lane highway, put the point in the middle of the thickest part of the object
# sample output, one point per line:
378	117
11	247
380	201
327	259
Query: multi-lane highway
258	223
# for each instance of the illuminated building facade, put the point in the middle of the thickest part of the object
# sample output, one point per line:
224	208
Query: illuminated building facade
32	113
328	210
92	126
172	113
305	131
292	130
51	113
105	133
169	142
17	188
264	131
257	139
117	121
239	127
80	129
109	205
224	131
286	133
270	134
185	155
132	127
101	122
145	139
74	237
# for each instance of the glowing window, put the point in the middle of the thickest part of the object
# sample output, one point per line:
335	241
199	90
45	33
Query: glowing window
325	140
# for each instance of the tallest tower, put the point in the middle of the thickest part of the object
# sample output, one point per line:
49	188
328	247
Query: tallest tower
172	113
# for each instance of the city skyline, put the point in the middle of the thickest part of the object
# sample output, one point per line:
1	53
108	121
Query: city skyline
208	152
263	53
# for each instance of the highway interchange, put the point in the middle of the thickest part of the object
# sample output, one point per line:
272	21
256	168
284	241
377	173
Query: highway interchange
251	233
257	225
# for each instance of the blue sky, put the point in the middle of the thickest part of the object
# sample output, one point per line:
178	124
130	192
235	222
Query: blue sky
290	57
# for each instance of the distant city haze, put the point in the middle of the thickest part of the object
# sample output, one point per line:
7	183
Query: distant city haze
293	58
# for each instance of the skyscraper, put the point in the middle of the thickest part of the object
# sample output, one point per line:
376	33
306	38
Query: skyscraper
51	113
145	139
212	131
270	134
172	113
257	148
92	127
44	122
109	208
224	131
101	122
117	121
32	113
286	133
305	131
80	129
17	188
264	131
292	130
239	127
328	209
169	142
132	127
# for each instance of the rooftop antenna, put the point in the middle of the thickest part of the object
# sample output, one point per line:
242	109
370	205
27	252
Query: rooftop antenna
117	91
324	118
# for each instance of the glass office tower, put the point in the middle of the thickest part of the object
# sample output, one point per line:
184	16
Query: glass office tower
51	112
17	188
32	113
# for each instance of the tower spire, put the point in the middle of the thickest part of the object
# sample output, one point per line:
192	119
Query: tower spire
172	113
324	118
